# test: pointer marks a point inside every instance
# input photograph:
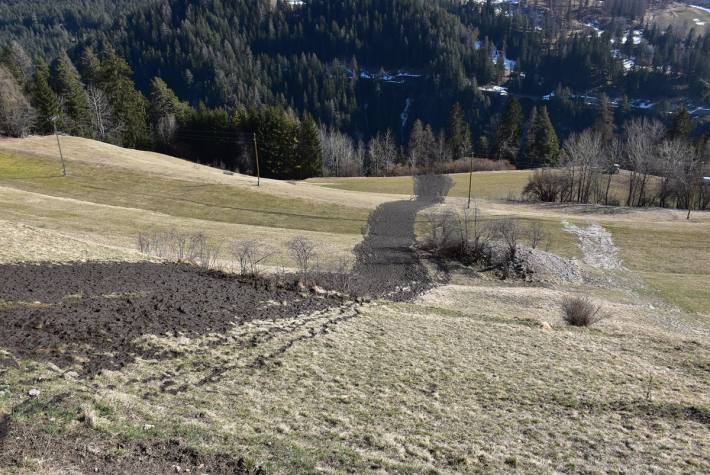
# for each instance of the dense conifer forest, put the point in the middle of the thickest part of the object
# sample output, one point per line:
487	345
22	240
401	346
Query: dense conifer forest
200	78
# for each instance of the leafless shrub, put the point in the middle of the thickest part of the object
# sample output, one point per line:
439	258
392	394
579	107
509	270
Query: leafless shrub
143	242
447	235
342	276
302	250
249	255
180	247
201	252
510	232
459	236
536	234
546	185
581	311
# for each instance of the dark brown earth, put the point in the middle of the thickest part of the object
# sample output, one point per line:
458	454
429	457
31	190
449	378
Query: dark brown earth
90	313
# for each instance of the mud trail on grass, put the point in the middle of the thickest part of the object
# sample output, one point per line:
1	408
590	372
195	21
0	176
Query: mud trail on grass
386	263
92	313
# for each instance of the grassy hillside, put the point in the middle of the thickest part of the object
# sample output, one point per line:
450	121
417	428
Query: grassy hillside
486	185
120	192
476	375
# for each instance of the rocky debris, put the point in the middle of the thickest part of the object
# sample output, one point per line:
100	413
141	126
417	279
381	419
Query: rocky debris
537	265
597	246
34	392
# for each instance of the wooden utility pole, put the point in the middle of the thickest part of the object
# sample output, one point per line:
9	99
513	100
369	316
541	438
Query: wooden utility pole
470	178
59	145
256	154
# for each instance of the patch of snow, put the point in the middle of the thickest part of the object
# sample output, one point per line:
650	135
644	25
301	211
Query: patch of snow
501	90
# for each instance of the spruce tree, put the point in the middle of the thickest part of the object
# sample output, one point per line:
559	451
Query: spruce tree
459	133
90	67
74	100
276	138
45	100
308	151
542	146
165	111
528	139
129	105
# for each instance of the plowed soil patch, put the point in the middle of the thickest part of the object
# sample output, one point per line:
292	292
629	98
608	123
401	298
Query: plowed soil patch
92	313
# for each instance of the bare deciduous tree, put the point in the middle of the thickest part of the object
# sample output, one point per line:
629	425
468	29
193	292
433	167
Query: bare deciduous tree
641	139
536	234
302	250
340	156
583	161
249	254
382	153
165	128
687	175
101	114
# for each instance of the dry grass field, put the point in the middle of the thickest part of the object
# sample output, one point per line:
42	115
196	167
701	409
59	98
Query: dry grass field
476	375
682	17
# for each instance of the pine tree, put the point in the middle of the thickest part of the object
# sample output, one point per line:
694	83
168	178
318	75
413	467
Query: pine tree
73	98
459	133
308	151
44	100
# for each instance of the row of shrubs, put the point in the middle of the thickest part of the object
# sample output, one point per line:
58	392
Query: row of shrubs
246	257
453	235
469	238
